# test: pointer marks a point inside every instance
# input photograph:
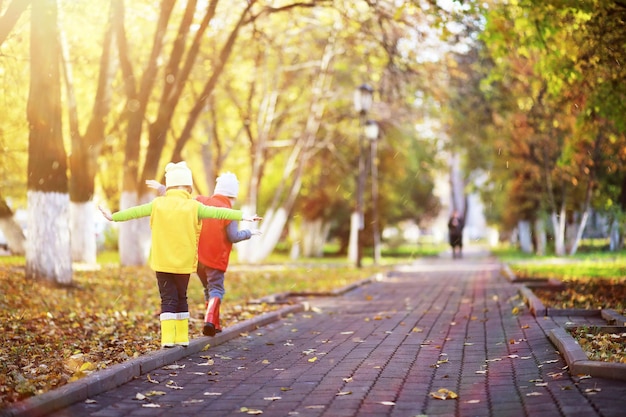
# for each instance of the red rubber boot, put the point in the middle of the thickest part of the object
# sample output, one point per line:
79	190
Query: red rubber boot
212	318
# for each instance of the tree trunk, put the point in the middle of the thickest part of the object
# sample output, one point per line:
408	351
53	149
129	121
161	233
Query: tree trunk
558	225
540	237
12	14
48	254
615	242
85	151
131	244
525	237
284	199
11	229
313	237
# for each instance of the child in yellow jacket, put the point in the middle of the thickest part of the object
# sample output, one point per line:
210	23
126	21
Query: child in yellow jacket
176	221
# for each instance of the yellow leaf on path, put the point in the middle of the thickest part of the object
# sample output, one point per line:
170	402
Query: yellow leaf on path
348	379
313	359
343	393
265	362
154	393
444	394
251	411
515	311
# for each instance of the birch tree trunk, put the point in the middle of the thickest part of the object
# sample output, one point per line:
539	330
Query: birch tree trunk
48	254
275	220
313	237
525	236
540	237
558	225
85	151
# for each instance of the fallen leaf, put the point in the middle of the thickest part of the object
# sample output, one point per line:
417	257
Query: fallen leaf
154	393
173	385
212	394
272	398
339	394
533	394
313	359
150	405
173	367
193	401
387	403
444	394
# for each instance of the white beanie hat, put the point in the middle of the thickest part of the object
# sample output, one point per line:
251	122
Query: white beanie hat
227	185
177	174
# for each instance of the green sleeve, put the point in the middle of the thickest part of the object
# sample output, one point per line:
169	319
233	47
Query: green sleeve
133	213
210	212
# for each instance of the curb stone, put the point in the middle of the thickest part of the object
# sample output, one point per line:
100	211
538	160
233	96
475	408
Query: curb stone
577	360
574	355
122	373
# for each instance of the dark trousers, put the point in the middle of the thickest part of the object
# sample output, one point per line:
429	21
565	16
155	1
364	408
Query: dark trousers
173	290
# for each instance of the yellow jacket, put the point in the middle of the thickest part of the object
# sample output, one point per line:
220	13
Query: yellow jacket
175	220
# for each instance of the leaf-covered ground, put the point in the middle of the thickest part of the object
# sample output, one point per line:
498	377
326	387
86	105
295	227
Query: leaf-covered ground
50	336
53	335
592	294
587	293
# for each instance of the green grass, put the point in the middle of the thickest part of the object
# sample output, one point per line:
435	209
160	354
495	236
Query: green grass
587	264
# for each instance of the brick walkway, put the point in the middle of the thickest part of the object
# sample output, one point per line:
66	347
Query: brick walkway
386	348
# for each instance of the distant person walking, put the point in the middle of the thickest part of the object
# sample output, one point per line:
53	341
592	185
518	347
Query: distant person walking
455	234
175	220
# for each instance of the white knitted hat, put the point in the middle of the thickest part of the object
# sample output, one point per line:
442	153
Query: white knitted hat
227	184
177	174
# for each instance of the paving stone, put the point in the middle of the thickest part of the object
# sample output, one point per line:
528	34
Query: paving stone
384	342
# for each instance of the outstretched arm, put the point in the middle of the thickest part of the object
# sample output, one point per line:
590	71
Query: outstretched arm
155	185
235	235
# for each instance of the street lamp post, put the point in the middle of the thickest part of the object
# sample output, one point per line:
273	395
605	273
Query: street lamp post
362	104
371	132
